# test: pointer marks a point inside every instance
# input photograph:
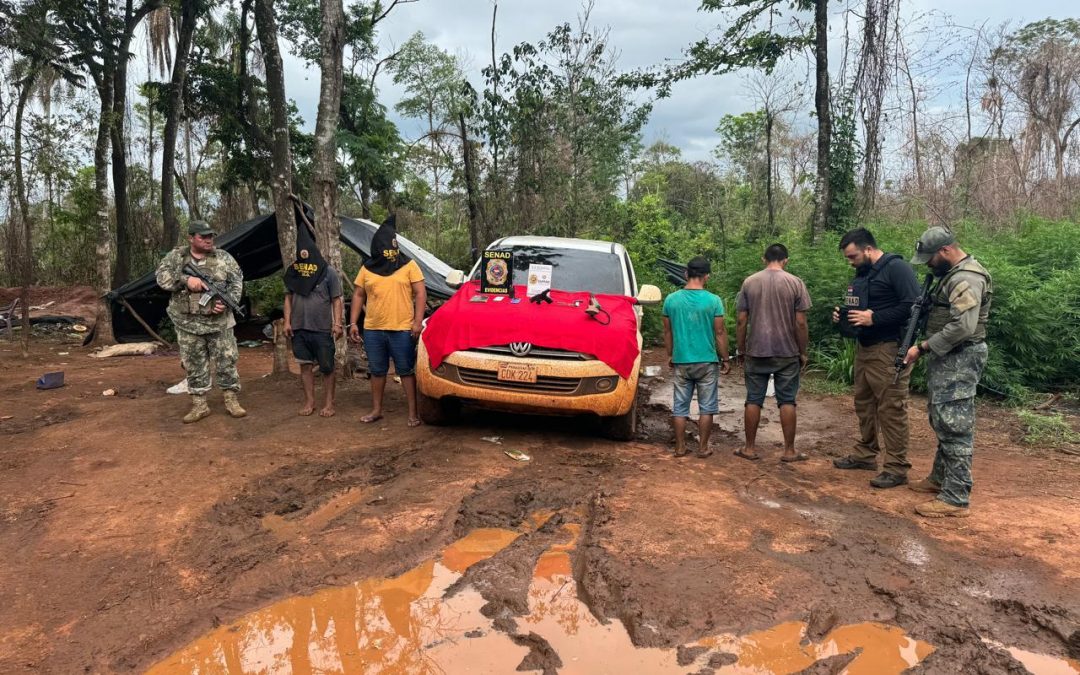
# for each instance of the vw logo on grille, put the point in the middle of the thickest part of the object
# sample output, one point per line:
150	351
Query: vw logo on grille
520	348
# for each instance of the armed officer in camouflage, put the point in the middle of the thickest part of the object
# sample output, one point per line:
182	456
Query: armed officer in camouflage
956	349
204	327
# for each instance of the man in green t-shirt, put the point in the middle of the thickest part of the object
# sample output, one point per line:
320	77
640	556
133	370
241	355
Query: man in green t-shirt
697	348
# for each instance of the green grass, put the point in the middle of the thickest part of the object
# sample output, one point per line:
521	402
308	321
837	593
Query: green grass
1050	429
814	382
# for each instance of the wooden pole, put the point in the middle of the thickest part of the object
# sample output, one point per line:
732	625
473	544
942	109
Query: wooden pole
153	333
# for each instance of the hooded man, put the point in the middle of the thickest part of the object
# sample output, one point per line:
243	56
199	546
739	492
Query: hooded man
390	293
313	318
204	327
956	353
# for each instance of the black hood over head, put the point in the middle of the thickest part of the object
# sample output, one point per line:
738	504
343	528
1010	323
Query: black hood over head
309	268
386	258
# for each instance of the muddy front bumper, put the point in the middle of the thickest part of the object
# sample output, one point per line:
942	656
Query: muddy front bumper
561	387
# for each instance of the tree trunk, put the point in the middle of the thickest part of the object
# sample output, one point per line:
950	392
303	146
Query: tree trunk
122	270
325	170
175	108
253	132
823	207
191	173
920	181
281	162
365	199
103	331
769	173
24	215
470	188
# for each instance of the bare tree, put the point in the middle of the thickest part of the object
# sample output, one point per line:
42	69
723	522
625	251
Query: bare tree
777	96
1043	63
877	52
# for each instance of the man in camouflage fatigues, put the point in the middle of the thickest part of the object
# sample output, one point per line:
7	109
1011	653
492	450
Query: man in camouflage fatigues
956	344
204	327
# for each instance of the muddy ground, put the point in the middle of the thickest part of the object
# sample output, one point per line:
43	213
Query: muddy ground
125	535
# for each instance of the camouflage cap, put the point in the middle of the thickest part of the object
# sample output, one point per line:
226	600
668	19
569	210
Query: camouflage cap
200	227
929	244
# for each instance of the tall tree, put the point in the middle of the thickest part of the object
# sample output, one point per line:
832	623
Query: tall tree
130	19
372	147
750	40
97	36
25	85
189	13
1043	61
325	175
281	162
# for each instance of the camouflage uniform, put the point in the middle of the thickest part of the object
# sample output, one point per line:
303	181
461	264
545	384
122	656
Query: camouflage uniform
202	336
957	345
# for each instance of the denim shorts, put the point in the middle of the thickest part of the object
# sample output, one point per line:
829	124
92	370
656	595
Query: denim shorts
701	376
383	345
785	372
314	347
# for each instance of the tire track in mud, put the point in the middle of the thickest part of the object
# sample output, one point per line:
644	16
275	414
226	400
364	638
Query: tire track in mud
938	594
856	562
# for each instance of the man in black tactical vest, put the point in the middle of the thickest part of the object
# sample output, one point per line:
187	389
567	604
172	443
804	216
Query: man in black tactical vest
875	310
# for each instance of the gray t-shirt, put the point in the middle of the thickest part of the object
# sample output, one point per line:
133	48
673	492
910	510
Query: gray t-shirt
314	311
772	297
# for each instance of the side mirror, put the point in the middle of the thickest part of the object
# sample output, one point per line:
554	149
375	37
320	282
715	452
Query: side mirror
455	279
648	295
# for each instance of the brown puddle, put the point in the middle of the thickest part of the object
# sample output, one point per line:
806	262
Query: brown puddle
405	625
1040	664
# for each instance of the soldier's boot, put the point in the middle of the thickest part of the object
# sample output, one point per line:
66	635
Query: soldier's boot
232	404
935	508
925	485
199	409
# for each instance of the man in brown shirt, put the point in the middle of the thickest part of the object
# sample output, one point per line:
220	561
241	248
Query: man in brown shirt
772	304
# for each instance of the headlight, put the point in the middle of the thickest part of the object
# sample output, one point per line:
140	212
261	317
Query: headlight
604	384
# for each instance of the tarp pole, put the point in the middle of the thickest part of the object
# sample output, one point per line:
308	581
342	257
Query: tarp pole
124	302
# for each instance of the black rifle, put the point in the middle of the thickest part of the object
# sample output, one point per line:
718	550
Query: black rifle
920	312
213	289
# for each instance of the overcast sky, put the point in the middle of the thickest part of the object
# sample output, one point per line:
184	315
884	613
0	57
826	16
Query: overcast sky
644	32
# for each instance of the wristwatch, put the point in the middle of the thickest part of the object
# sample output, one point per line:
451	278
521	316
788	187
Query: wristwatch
922	350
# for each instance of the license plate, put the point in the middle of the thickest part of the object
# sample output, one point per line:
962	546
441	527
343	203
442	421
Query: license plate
517	372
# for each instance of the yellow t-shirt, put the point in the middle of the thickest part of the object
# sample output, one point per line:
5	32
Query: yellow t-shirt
390	302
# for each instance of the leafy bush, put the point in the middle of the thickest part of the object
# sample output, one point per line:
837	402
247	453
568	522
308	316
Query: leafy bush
1034	329
266	294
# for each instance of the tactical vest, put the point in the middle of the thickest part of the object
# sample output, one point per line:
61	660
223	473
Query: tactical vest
941	313
189	311
858	294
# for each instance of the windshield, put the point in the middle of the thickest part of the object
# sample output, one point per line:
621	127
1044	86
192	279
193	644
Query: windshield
571	269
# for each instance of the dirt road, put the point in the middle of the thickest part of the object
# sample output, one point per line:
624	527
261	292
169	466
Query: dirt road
126	536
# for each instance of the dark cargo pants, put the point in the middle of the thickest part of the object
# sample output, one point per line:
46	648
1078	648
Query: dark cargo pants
951	381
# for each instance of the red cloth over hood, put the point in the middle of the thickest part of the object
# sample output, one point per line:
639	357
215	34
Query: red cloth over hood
461	324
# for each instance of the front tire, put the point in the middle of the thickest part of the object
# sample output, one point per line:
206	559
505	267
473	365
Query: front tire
437	411
621	427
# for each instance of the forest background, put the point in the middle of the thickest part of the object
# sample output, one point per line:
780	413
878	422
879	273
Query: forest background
122	120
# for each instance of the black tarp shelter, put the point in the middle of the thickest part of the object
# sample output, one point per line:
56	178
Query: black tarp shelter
254	244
